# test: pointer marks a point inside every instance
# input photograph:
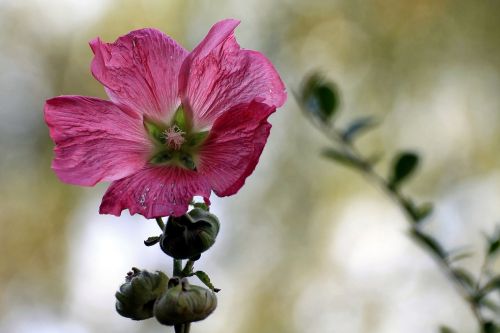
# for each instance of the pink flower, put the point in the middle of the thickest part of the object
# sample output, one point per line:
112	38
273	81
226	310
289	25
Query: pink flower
177	125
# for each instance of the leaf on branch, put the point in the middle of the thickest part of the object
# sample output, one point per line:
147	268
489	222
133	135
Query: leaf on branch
460	256
424	210
490	305
404	166
494	243
492	285
429	242
358	127
465	278
206	280
319	97
446	329
490	327
152	240
343	158
418	213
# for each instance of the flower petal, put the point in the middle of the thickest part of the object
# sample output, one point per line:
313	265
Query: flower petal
234	145
218	75
155	192
95	140
140	70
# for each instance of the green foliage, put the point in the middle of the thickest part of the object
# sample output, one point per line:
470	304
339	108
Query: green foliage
343	158
403	167
206	280
358	127
152	240
492	285
446	329
319	97
418	213
429	242
465	278
494	243
490	327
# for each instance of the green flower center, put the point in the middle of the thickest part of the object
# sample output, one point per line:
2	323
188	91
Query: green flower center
175	143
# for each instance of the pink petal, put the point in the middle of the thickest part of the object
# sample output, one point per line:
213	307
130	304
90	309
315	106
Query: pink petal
155	192
95	140
218	75
140	70
234	145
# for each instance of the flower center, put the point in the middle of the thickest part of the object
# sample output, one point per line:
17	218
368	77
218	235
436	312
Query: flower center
174	137
174	143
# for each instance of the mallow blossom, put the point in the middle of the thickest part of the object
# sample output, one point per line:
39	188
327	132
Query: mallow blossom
178	124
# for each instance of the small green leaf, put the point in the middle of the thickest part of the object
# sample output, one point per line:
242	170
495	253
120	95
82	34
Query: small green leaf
465	277
490	327
429	242
445	329
417	213
460	256
404	165
494	243
343	158
494	246
357	127
152	240
206	280
319	97
424	210
490	305
493	284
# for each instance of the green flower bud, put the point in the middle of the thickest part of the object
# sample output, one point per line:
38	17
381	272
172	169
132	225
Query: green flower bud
189	235
183	303
136	297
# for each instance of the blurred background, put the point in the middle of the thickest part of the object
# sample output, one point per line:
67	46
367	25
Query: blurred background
306	246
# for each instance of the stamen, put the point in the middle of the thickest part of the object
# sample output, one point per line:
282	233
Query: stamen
174	137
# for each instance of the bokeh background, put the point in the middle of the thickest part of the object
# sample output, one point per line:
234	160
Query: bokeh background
306	246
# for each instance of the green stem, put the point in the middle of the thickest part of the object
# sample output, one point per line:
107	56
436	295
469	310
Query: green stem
177	267
177	271
188	268
187	327
160	223
402	202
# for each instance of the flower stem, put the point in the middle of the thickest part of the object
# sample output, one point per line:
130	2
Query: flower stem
188	268
177	267
177	272
160	223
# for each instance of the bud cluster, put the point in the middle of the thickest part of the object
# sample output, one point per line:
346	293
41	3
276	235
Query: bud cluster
173	301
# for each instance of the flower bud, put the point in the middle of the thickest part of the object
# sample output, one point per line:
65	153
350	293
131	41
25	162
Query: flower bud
187	236
183	303
136	297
